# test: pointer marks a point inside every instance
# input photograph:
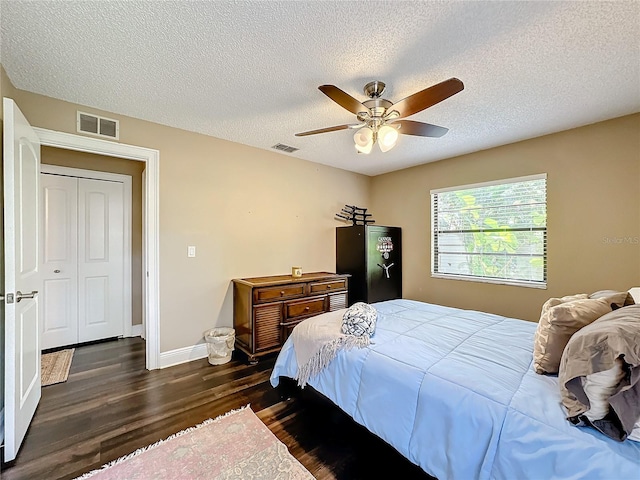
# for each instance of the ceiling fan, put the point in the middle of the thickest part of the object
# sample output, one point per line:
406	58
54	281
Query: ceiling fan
381	120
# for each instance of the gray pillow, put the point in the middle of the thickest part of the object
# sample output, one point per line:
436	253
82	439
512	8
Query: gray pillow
614	298
359	319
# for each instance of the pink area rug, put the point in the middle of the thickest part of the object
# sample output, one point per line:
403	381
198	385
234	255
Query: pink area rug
236	445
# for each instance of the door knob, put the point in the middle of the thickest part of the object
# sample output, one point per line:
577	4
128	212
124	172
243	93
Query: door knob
20	295
56	271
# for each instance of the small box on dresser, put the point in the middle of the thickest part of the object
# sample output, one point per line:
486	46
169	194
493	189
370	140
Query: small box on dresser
265	309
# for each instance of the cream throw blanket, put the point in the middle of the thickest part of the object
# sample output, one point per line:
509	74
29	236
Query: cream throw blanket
317	341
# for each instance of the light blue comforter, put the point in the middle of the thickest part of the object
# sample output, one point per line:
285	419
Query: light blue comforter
454	392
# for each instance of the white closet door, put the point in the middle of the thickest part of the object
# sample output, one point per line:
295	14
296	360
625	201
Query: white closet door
100	259
59	264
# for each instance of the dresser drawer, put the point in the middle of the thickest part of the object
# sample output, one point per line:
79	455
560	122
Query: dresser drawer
317	288
287	328
303	308
268	294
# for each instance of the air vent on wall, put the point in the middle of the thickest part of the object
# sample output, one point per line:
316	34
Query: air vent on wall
99	126
285	148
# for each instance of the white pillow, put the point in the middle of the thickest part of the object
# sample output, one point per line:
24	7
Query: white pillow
599	387
635	433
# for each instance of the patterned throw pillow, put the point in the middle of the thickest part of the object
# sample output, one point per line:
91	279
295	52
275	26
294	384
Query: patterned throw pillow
359	319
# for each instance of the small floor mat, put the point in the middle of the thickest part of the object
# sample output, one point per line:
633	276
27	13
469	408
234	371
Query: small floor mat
55	366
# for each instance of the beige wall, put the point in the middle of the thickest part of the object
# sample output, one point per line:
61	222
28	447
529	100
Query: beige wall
253	212
87	161
249	212
593	177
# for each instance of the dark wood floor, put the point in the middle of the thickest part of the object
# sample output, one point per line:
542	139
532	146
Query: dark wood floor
111	405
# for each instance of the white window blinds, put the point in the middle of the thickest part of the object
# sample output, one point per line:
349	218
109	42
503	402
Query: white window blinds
493	232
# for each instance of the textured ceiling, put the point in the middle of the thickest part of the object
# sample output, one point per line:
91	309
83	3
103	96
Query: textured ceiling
248	71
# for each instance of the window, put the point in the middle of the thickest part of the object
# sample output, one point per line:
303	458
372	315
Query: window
492	232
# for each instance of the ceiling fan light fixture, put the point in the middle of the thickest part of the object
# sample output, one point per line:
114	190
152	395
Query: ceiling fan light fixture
387	138
364	140
363	136
366	149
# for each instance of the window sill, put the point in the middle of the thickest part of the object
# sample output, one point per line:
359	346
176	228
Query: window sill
498	281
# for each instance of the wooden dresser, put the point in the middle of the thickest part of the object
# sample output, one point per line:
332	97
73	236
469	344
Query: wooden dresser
265	309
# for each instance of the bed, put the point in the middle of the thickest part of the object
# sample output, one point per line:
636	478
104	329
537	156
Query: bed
454	391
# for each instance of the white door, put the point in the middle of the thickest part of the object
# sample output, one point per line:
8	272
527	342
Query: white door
22	280
100	259
59	260
83	245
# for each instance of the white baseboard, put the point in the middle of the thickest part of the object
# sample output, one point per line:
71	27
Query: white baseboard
183	355
136	330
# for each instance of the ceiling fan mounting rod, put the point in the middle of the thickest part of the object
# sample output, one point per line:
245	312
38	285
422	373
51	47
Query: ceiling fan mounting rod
374	89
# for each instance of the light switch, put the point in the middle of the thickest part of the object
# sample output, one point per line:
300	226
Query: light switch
191	251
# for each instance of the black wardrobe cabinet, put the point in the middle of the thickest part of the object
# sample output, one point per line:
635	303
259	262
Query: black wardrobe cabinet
372	255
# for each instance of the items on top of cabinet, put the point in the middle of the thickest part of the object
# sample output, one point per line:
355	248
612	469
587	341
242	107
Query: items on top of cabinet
355	215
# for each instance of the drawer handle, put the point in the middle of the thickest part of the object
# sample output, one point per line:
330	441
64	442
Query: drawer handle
281	292
306	308
328	286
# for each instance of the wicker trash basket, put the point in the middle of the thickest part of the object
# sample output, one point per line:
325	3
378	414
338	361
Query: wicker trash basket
220	343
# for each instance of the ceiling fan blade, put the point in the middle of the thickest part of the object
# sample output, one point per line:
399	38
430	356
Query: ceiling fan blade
324	130
427	97
409	127
343	99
